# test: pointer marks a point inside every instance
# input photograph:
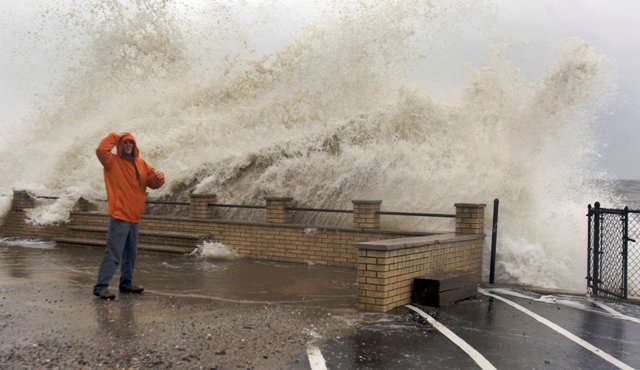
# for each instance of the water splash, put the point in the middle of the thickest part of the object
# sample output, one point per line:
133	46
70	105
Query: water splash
212	250
28	243
57	211
332	115
5	206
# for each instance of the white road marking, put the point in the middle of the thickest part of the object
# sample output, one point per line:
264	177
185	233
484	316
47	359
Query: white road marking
614	361
475	355
613	312
316	361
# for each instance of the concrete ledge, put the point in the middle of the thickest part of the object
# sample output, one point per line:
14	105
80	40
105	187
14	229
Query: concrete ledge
412	242
166	234
81	242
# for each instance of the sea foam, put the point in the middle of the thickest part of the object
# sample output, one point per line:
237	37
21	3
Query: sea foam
330	113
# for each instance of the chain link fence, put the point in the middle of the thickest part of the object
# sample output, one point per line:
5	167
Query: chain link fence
614	253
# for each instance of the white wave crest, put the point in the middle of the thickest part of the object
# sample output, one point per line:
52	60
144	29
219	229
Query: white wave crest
335	111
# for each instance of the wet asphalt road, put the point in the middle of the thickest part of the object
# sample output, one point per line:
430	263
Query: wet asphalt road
241	314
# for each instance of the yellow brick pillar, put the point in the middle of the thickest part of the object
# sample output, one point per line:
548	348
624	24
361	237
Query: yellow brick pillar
375	291
21	200
278	211
365	214
470	218
199	205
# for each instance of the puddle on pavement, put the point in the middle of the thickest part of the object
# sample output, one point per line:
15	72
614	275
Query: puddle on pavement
237	280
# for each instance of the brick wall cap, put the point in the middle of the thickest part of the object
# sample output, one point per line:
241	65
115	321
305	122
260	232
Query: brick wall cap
471	205
359	201
278	198
24	193
419	241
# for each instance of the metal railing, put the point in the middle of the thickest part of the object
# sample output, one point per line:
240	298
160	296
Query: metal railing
417	214
328	210
247	206
301	209
166	202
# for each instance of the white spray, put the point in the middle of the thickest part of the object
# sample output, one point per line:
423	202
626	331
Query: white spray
213	250
329	117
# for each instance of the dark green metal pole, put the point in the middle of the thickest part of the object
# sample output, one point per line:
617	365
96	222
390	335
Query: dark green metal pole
596	248
494	237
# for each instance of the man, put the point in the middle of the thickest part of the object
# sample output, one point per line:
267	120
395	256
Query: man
126	177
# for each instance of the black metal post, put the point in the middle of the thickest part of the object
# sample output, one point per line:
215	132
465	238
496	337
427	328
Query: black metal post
625	250
596	248
494	237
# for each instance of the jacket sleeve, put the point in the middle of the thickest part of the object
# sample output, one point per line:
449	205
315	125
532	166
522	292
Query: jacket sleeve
152	180
103	151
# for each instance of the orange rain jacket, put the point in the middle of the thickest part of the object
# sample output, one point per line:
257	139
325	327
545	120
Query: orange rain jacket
126	193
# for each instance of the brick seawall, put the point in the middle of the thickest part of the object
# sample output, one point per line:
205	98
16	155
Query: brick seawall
387	261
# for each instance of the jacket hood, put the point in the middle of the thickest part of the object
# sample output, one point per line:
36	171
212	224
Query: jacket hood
122	139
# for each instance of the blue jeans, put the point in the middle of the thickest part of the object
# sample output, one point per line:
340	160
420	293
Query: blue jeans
122	241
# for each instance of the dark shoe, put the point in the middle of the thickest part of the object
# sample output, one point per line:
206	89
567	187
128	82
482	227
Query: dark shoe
105	294
132	289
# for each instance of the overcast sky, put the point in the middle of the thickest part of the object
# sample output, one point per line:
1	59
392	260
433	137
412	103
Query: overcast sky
610	26
536	28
